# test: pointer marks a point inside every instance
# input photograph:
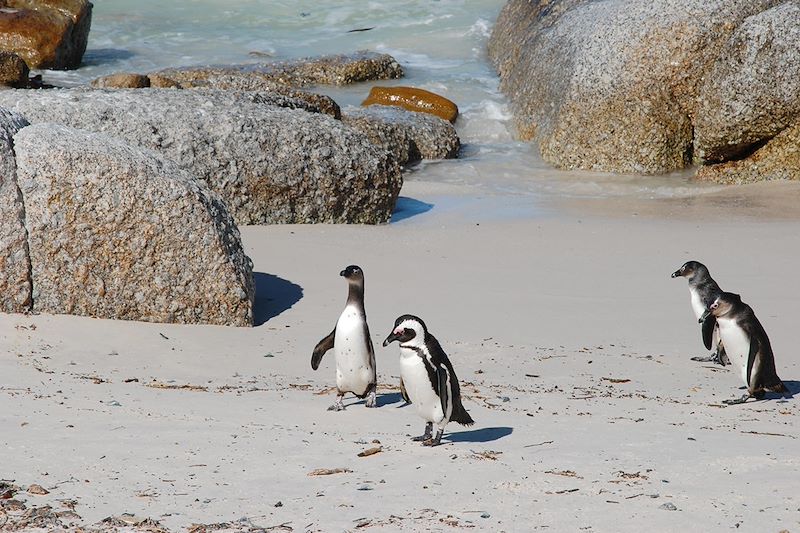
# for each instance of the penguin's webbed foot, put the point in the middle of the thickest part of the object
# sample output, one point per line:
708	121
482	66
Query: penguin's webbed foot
437	440
709	359
338	405
737	401
425	436
371	400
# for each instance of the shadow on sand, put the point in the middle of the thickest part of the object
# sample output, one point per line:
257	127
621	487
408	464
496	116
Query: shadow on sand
274	295
480	435
794	388
408	207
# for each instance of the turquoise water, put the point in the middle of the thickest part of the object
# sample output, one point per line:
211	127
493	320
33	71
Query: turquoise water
440	44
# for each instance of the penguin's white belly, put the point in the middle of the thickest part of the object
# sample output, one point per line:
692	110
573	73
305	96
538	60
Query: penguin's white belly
697	303
354	370
418	386
737	345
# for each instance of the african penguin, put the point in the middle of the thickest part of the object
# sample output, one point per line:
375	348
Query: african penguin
352	345
747	345
702	291
428	378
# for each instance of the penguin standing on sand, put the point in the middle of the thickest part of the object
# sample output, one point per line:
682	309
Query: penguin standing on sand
352	346
428	377
747	345
703	290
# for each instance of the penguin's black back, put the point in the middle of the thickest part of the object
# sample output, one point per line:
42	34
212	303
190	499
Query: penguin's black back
439	358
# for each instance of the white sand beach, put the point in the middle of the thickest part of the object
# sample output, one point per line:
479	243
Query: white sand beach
571	342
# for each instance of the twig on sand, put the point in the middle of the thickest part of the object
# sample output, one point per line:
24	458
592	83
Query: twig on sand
371	451
538	444
565	491
769	434
616	380
329	471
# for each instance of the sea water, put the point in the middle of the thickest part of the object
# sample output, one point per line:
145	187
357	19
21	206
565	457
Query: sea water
441	45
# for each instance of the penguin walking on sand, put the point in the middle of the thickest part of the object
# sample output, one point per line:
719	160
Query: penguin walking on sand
428	377
352	346
703	290
747	345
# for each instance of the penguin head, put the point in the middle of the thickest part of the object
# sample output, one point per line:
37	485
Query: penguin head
353	273
690	269
408	330
722	305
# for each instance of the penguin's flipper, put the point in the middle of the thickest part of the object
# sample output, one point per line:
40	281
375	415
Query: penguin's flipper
322	346
404	392
444	387
708	330
751	360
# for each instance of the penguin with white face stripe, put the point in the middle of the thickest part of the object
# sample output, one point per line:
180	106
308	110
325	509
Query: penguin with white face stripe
747	345
703	290
352	346
428	377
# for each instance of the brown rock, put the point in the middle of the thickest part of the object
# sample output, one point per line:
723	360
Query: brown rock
37	490
163	82
122	80
778	159
46	33
13	70
413	99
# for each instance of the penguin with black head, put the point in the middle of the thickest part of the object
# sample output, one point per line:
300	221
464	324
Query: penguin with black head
747	345
703	290
428	377
352	346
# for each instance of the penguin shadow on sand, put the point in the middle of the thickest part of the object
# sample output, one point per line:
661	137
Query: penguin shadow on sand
274	295
792	388
409	207
479	435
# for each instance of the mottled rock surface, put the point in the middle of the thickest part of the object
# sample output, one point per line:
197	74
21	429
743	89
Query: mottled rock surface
270	164
409	136
778	159
753	90
613	85
413	99
46	33
324	70
13	70
15	265
122	80
115	231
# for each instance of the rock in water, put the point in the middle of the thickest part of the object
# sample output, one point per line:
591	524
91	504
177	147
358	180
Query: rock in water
269	164
413	99
408	136
46	33
15	264
116	231
611	86
753	90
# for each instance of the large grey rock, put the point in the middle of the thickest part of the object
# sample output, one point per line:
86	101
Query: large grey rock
408	135
46	33
15	264
269	164
116	231
611	85
753	90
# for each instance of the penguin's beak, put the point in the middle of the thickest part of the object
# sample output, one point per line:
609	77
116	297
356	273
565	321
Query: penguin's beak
705	316
676	274
390	339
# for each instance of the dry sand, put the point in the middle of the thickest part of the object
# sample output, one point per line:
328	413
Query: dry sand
571	342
